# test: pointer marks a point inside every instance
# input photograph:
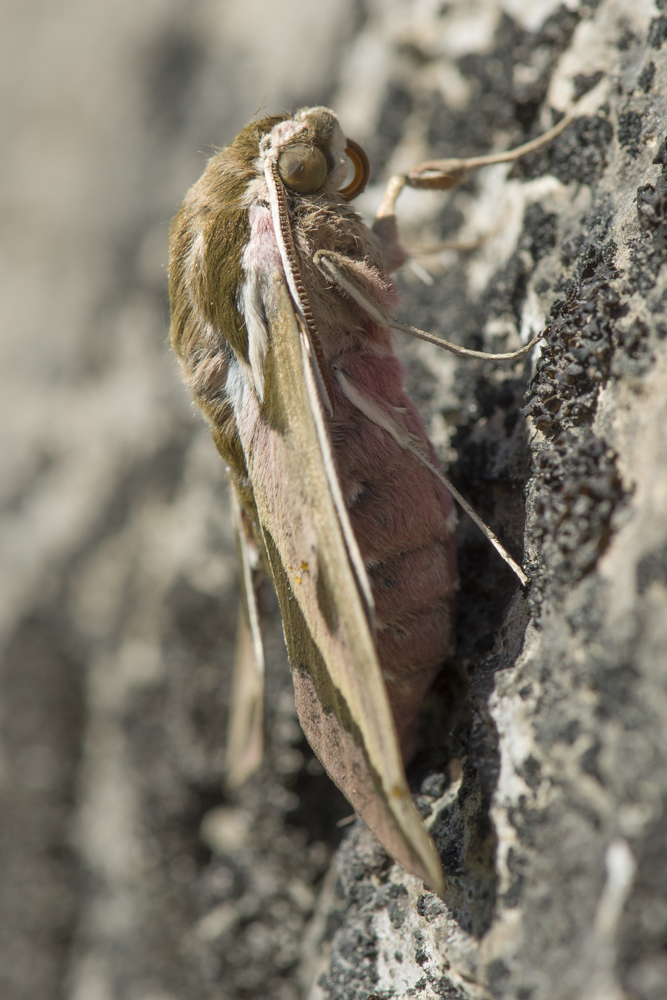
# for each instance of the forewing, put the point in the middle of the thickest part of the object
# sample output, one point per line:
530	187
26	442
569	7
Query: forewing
340	694
245	730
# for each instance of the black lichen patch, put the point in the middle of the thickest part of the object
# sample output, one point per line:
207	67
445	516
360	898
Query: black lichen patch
580	153
466	842
577	348
579	491
630	130
650	251
517	866
448	832
352	972
583	82
541	229
657	31
646	77
398	905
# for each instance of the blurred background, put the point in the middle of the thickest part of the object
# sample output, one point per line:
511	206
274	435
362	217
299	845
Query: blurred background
117	574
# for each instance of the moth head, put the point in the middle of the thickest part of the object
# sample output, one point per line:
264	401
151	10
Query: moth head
313	155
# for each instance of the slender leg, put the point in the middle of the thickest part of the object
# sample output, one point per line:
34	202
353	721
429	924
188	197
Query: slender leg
442	175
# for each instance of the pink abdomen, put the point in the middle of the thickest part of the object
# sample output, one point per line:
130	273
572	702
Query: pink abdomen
403	519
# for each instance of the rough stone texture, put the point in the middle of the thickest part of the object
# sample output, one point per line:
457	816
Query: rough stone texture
126	874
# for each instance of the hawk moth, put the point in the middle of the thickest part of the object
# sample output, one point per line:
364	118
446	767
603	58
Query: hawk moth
281	306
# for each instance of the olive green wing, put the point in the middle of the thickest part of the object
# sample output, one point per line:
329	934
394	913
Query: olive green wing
324	593
245	737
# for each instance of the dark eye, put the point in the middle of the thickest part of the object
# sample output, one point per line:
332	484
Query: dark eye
303	168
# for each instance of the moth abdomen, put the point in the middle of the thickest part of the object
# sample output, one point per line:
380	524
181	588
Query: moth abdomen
403	520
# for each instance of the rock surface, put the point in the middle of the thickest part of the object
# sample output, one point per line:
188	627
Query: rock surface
126	874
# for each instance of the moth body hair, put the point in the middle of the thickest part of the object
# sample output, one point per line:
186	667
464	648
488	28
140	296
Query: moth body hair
281	135
256	193
258	337
195	261
235	385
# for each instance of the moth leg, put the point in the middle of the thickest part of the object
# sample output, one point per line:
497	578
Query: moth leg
428	250
373	411
460	246
472	514
245	738
341	270
443	175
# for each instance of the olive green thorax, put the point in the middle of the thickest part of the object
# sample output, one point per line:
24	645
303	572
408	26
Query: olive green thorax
205	292
215	208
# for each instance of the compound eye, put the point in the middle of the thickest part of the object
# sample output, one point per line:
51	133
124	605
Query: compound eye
303	168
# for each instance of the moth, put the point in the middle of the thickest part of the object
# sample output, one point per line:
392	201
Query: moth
282	320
